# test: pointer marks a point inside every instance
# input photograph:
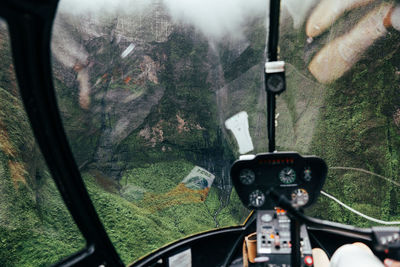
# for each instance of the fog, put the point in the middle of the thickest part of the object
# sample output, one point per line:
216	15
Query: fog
298	10
94	7
214	18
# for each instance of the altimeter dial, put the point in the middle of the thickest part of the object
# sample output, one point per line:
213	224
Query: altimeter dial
299	197
257	198
247	176
287	175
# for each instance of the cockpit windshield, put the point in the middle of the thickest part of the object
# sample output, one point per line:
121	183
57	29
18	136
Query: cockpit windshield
158	98
342	104
146	92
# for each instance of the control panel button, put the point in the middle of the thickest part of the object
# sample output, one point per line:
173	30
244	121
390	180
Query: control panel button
308	261
277	242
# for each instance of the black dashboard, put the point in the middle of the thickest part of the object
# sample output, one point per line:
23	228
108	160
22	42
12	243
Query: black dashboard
299	178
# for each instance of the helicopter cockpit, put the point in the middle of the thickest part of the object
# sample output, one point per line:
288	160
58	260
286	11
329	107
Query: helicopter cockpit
287	175
180	133
267	181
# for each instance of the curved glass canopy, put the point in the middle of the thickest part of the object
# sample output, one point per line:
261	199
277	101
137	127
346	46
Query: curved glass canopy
36	229
158	98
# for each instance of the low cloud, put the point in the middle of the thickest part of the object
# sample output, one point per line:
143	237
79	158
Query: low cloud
214	18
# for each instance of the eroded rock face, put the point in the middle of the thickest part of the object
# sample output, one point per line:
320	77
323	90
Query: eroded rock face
132	83
90	60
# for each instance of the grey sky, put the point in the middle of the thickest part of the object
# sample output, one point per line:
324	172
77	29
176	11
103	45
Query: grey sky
214	18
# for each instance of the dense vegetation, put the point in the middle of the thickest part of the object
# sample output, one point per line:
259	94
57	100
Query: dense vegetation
36	228
353	122
359	128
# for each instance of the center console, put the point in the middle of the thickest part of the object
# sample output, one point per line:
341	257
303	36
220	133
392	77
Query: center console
274	240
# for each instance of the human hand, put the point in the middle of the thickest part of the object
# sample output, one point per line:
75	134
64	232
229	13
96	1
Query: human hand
391	263
339	55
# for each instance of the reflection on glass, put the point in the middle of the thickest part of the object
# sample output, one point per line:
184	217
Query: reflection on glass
144	94
36	228
342	103
239	125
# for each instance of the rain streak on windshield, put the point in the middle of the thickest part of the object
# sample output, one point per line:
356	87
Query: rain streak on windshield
158	98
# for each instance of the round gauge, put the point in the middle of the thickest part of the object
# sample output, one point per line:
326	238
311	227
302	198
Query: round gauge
287	175
257	198
266	217
247	176
299	197
307	174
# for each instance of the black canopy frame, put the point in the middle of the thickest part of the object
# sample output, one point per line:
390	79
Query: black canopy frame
30	24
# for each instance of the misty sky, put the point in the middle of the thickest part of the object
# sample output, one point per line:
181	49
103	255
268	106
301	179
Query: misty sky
214	18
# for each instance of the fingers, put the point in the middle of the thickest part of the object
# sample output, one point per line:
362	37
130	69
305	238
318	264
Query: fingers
394	19
341	54
327	12
391	263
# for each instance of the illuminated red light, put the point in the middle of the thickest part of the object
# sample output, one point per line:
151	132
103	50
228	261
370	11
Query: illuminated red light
308	260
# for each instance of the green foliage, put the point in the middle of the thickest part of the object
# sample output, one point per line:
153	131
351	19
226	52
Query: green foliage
356	129
159	177
136	229
83	129
36	228
256	35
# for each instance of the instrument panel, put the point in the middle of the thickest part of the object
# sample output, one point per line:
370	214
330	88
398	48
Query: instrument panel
299	178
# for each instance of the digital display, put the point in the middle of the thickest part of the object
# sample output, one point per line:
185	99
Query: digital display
276	161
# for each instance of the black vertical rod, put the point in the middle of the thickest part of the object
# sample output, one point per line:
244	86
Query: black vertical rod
273	37
273	34
271	102
295	239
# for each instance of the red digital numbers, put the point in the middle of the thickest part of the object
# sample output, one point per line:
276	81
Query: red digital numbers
276	161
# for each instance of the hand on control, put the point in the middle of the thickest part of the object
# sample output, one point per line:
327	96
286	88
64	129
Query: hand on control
391	263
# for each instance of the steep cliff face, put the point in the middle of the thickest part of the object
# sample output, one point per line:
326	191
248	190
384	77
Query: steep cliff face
139	97
144	99
106	78
31	211
140	89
